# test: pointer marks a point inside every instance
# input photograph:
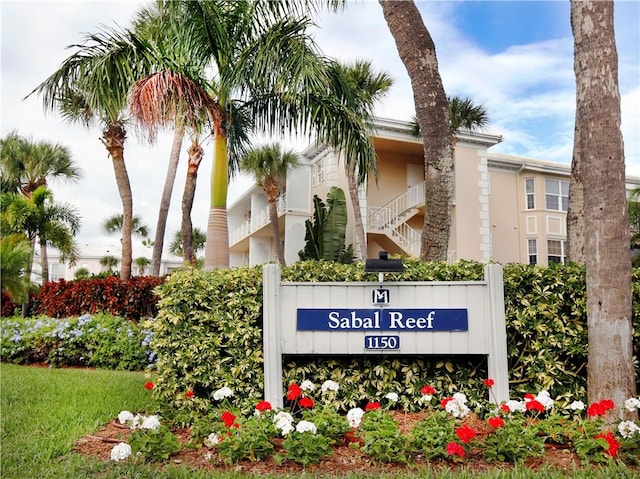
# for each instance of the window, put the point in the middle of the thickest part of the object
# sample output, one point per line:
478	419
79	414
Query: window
557	194
555	251
532	248
56	271
317	172
529	184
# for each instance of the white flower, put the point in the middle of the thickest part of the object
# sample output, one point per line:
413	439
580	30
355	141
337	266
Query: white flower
393	397
222	393
150	422
628	429
354	416
632	404
120	451
306	426
329	385
457	407
515	406
460	397
576	406
426	398
124	417
212	440
284	422
544	398
307	386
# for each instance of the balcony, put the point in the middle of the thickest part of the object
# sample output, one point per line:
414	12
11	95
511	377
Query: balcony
259	219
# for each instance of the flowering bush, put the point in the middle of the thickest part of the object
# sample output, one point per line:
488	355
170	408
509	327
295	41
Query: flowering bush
99	340
452	428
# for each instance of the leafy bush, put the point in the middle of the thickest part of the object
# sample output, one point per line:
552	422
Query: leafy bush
133	299
100	340
208	335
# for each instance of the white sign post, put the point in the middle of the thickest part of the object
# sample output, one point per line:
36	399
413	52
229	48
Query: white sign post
363	318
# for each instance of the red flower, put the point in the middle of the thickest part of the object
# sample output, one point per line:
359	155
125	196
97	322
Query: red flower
149	385
599	408
455	449
228	418
614	445
489	382
263	406
465	434
444	402
371	406
350	436
505	408
189	394
529	397
307	403
534	405
427	390
293	392
496	422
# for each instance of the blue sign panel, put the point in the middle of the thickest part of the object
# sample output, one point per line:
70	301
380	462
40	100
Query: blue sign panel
382	319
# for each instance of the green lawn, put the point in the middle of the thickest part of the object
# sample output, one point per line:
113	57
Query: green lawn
44	411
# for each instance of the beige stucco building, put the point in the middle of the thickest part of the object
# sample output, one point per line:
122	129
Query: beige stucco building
506	208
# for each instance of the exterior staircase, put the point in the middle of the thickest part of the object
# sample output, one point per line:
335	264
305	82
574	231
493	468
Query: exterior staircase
389	222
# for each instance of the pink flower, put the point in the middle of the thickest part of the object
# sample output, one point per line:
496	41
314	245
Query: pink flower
496	422
307	403
489	382
465	434
372	405
455	449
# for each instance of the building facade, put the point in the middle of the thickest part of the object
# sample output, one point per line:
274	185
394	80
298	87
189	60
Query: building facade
506	208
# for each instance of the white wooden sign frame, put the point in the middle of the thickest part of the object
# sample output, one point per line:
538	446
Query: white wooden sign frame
482	300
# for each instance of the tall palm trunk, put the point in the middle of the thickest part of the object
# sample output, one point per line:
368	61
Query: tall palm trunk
113	139
216	252
575	213
271	190
195	158
165	201
610	373
357	213
418	53
44	261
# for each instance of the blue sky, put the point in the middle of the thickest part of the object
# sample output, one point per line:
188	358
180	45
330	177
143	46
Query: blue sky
514	57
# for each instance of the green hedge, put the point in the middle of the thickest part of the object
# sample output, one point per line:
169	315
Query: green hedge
208	335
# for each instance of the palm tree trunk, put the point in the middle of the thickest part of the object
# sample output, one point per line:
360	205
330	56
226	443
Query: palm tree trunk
195	157
44	261
27	277
610	373
575	213
418	53
272	191
165	201
357	214
113	138
216	252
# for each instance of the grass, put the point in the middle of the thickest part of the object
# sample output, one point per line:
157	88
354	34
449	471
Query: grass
44	411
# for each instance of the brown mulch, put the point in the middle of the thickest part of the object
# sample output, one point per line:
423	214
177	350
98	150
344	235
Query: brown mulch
344	459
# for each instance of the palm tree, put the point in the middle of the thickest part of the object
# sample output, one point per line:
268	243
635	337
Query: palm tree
359	88
142	263
199	238
28	164
114	223
269	165
267	76
418	53
196	153
92	86
109	262
600	151
15	254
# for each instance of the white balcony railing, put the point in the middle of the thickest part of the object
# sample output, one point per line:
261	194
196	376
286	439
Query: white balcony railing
258	220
